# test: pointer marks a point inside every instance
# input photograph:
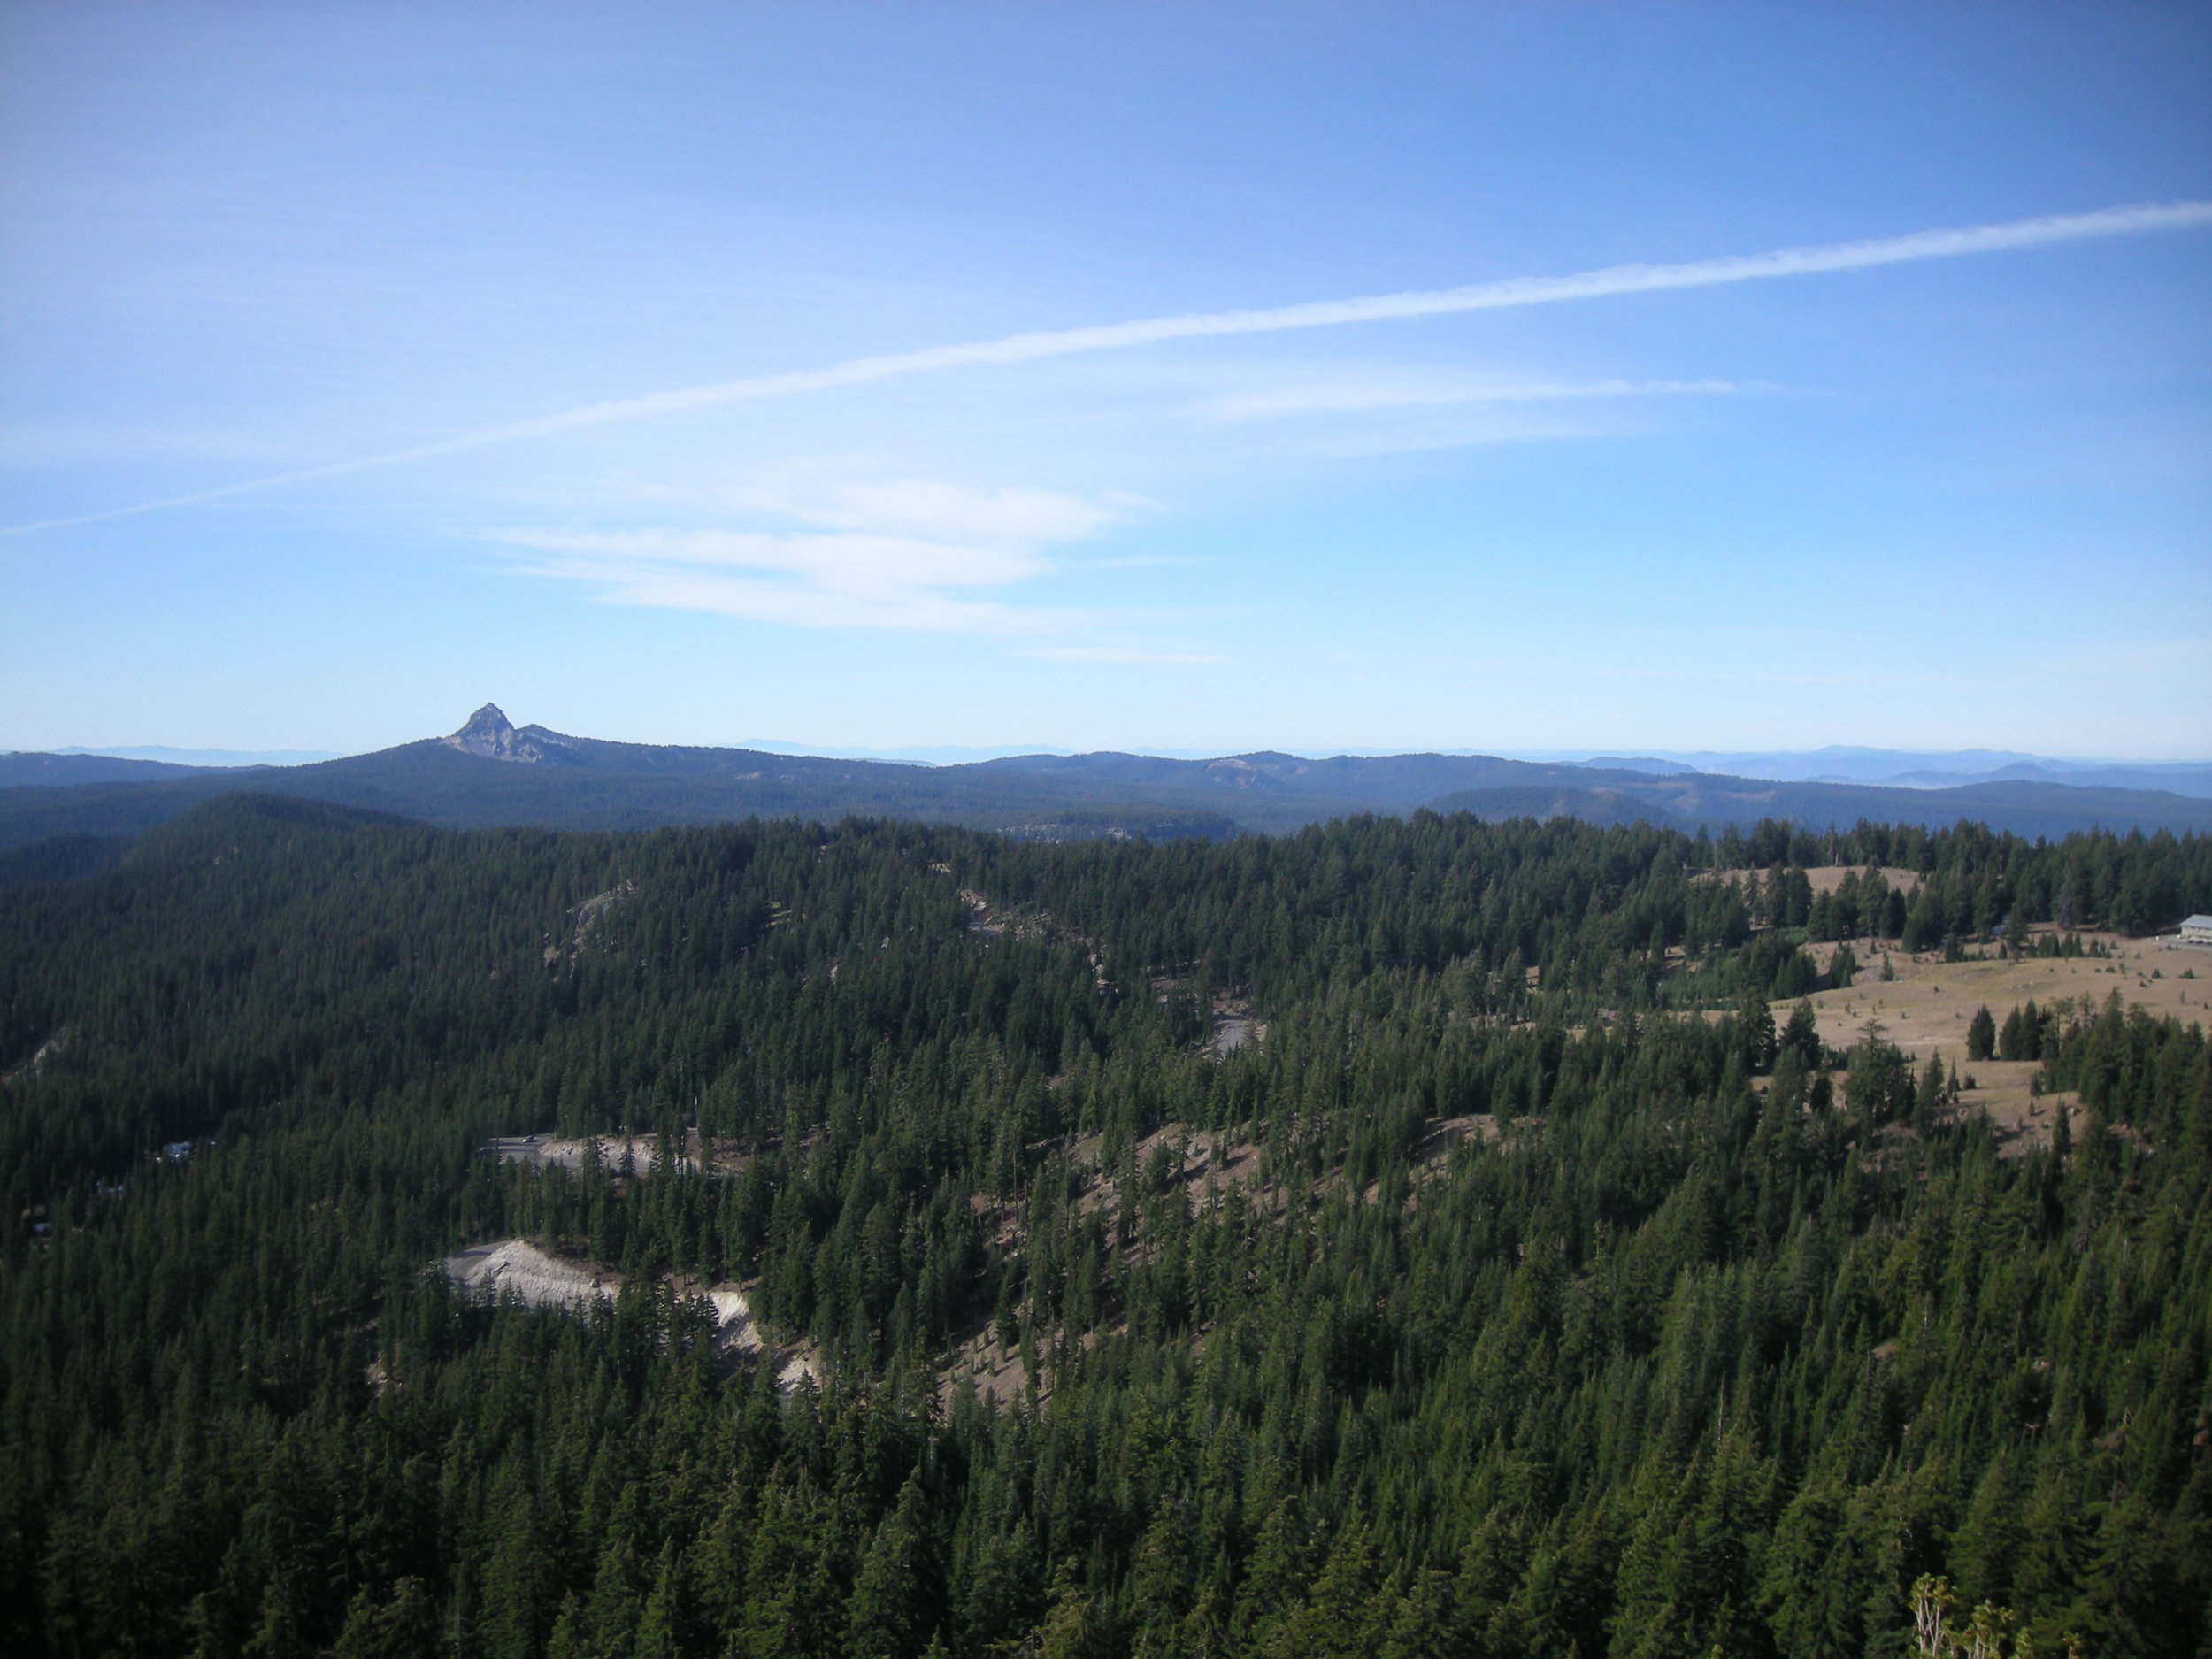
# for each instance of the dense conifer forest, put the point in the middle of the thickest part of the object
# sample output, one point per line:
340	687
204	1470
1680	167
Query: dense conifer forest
1571	1296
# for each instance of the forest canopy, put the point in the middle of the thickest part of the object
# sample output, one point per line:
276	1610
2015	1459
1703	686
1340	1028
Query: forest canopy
1412	1236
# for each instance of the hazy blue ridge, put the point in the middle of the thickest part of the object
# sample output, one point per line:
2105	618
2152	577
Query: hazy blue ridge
492	774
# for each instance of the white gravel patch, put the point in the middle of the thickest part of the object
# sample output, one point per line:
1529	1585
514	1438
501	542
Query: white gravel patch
518	1268
797	1368
734	1330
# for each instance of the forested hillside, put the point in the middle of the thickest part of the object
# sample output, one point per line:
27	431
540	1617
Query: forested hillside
1563	1293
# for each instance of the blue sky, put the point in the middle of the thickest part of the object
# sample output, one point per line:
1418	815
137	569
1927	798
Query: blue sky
1934	501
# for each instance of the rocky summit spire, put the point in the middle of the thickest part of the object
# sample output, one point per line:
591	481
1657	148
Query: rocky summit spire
489	722
492	736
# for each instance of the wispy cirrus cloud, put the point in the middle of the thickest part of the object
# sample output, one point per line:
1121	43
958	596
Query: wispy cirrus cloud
877	551
856	493
645	570
832	579
1365	394
1037	345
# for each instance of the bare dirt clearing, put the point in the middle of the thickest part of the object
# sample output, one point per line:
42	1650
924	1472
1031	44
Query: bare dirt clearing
1201	1162
997	1373
1233	1026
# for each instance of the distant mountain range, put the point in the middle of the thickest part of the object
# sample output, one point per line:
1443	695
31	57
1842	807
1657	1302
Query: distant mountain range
65	811
211	756
1907	769
1911	769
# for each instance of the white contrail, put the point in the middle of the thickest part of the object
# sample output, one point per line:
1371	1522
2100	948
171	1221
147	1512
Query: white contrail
1060	343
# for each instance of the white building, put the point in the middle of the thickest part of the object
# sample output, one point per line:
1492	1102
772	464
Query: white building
2197	930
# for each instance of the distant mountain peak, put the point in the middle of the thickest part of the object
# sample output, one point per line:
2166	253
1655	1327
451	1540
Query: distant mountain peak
491	736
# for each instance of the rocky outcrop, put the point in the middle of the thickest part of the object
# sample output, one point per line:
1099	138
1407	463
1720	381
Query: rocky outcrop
491	735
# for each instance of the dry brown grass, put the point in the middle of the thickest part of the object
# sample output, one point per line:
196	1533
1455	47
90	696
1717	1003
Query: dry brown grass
1926	1008
1825	878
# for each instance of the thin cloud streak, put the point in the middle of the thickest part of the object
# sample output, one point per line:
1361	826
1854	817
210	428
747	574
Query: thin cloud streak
1360	397
1038	345
835	495
748	600
849	562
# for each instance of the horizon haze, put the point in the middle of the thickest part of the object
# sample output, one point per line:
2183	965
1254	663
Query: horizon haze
1832	763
